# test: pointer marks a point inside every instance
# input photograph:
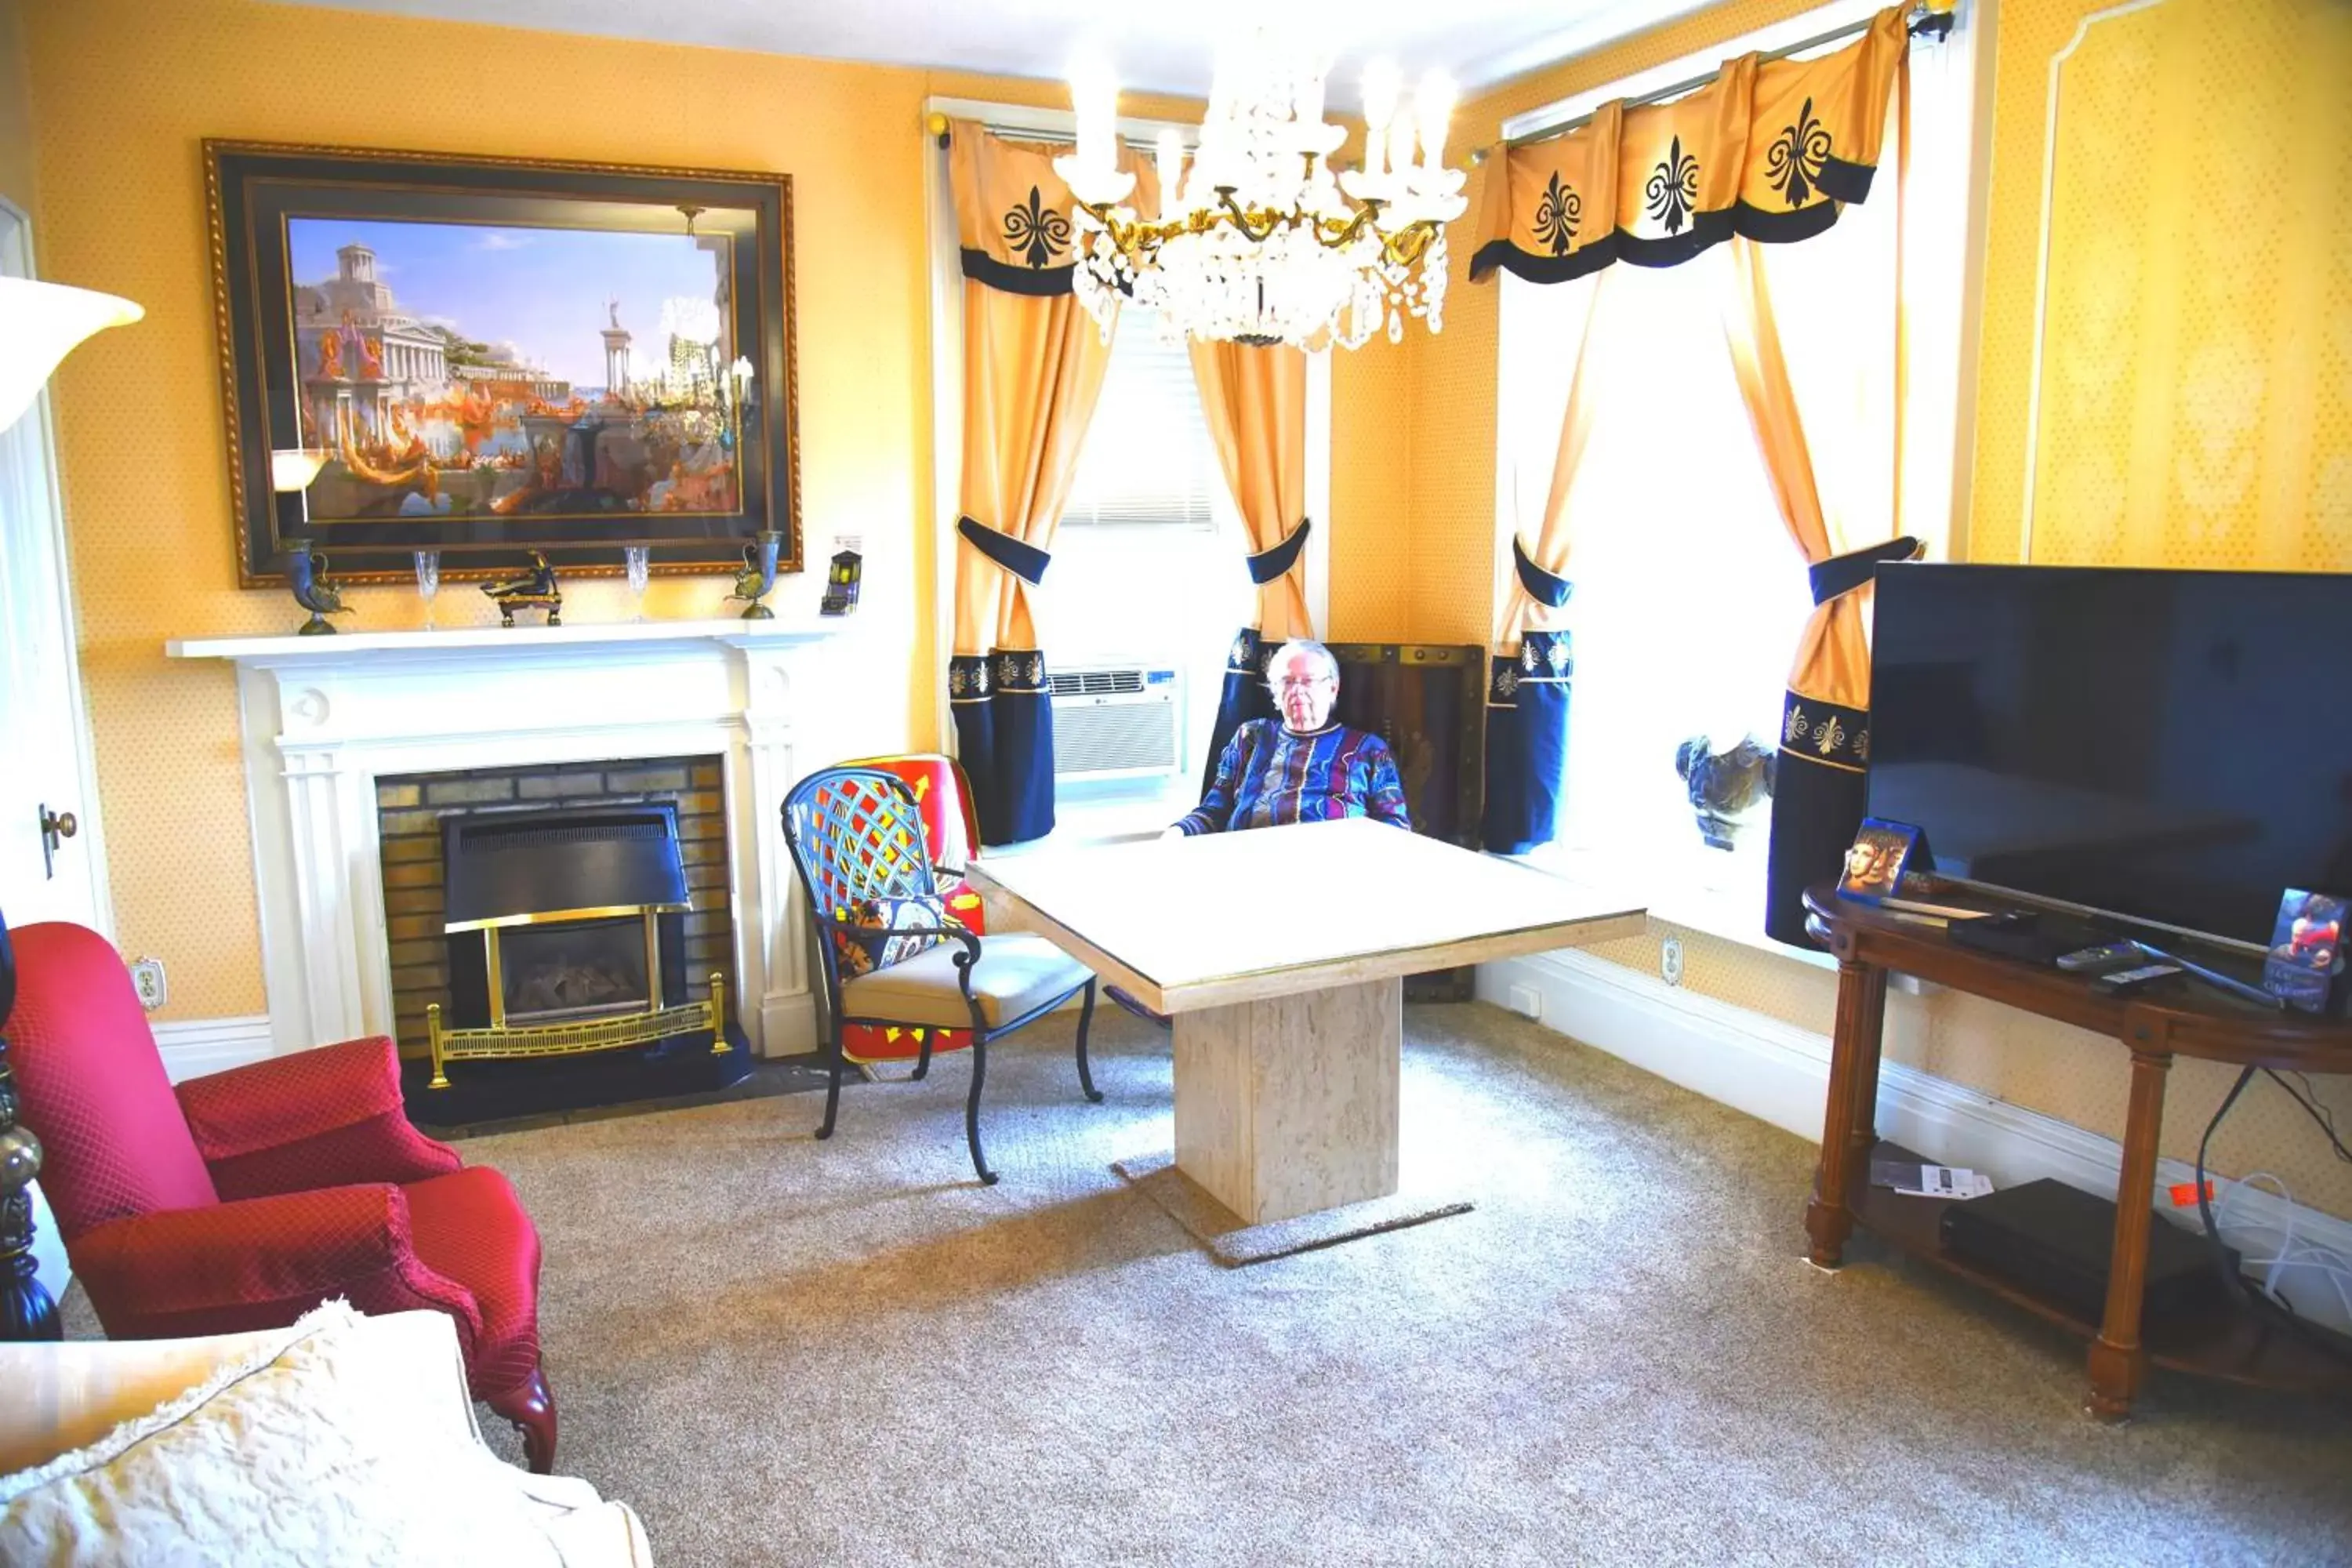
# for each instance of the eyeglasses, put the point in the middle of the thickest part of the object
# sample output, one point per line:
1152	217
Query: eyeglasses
1290	682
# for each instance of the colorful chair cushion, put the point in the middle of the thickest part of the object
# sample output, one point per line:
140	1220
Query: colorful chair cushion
864	952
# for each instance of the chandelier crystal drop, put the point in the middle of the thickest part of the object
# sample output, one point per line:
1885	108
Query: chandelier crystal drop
1259	240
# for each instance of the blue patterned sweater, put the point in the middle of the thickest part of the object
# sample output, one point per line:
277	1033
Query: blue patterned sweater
1268	777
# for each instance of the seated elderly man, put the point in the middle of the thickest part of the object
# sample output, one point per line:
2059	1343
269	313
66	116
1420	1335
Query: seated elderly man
1302	767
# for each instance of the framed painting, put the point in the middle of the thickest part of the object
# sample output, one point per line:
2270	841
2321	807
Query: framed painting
491	356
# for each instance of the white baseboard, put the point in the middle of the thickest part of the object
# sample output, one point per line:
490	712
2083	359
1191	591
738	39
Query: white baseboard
1780	1073
788	1025
195	1046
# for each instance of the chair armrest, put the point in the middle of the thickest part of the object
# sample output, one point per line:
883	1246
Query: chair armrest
324	1118
260	1262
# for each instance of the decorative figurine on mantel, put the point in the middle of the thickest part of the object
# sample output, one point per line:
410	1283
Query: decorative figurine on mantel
758	574
534	590
841	582
305	578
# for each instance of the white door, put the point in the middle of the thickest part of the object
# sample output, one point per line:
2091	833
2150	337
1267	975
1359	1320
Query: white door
46	775
47	784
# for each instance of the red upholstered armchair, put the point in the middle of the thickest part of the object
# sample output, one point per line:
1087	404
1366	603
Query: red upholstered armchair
241	1200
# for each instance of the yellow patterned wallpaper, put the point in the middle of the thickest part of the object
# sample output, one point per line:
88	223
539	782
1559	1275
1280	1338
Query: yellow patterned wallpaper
2196	389
124	92
2255	382
15	109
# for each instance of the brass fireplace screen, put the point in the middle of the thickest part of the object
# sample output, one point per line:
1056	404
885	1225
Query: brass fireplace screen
557	924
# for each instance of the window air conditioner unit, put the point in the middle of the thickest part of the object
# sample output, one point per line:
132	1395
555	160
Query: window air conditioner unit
1117	721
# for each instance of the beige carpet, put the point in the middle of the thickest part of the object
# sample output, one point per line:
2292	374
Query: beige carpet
783	1352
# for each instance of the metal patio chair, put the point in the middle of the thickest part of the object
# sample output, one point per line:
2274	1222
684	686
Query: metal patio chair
856	833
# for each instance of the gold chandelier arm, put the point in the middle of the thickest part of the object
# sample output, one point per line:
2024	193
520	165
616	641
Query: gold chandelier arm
1256	234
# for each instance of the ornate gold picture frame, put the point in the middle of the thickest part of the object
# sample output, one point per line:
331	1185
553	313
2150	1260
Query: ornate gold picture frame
488	357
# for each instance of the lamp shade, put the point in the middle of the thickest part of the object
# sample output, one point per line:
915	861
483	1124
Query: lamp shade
40	324
292	469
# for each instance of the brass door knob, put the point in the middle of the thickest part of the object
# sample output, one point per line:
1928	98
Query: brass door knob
58	823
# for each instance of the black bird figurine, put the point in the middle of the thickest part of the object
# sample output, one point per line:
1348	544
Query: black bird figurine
534	590
1723	784
305	578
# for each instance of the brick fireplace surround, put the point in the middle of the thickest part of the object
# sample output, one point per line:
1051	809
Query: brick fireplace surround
331	724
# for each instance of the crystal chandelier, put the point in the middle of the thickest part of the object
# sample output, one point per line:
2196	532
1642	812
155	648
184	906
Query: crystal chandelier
1259	240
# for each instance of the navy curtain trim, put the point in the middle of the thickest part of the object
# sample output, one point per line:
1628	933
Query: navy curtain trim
1706	231
1844	182
1844	573
1003	710
1547	588
1535	268
1819	793
1266	565
1025	562
1783	227
1527	744
1244	698
1036	283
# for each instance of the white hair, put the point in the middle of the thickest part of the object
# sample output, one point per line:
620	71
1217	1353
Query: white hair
1324	656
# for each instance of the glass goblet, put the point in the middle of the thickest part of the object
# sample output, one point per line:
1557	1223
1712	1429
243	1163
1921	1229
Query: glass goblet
429	581
640	562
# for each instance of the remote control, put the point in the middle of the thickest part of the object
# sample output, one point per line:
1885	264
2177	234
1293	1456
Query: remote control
2106	957
2125	980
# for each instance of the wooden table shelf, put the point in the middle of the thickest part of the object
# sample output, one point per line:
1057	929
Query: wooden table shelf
2232	1339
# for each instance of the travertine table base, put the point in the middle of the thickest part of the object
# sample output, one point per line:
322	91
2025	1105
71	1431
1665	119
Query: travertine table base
1290	1104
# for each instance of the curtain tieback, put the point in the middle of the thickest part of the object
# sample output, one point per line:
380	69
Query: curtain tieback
1844	573
1548	589
1269	564
1025	562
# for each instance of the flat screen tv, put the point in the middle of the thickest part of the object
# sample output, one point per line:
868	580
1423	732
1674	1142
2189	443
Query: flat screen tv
2171	748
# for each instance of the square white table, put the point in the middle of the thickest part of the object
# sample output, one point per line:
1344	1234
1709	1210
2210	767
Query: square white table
1282	953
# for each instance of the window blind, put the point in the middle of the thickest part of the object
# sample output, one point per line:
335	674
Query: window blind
1147	458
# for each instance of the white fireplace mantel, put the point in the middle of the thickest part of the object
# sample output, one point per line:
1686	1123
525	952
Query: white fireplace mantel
323	717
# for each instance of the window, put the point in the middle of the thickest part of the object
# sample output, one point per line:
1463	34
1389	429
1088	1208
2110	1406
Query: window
1689	595
1148	561
1147	458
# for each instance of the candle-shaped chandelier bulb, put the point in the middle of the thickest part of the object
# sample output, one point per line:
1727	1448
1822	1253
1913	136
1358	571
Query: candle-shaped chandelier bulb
1094	99
1172	169
1380	85
1432	106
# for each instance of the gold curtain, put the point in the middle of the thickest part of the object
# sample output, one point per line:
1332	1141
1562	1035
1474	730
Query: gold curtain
1553	545
1254	400
1829	421
1770	150
1033	366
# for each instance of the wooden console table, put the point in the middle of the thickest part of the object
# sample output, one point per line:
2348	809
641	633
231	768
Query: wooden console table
2231	1340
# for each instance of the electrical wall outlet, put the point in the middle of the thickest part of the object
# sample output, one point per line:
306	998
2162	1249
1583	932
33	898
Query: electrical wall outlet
1527	1001
147	980
1670	961
855	541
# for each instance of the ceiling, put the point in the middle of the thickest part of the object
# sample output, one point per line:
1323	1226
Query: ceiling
1161	47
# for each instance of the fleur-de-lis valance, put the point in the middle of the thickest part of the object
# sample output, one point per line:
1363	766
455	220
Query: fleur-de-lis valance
1771	149
1014	213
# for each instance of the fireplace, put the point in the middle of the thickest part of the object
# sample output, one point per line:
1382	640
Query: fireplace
566	936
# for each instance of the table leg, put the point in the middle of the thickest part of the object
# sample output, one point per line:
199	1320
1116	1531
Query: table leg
1289	1105
1853	1062
2118	1361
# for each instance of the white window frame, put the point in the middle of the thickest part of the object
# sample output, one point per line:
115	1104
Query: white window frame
947	376
1969	46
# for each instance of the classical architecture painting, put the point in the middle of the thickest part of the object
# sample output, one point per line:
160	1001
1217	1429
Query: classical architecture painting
486	359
